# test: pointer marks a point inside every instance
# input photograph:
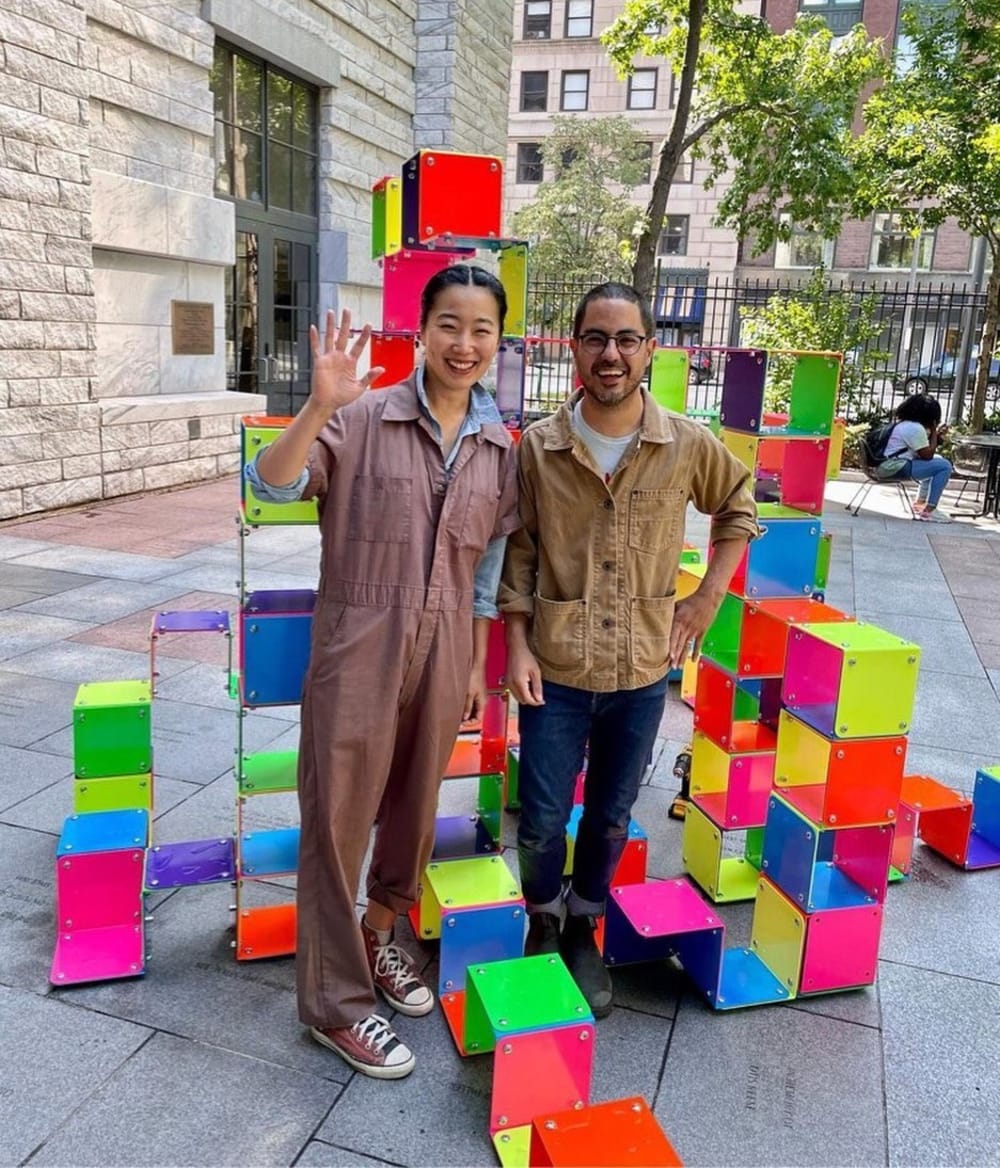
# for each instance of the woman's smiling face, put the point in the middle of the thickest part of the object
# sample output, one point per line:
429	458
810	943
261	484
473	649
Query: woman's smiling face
460	336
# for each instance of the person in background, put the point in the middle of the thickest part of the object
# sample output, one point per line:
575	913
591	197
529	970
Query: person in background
916	436
592	627
417	492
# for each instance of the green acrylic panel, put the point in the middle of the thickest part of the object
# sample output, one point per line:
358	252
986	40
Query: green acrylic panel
746	706
523	994
823	561
112	733
512	798
378	221
753	847
691	555
269	771
259	513
722	640
815	380
113	793
513	1146
767	511
668	378
490	804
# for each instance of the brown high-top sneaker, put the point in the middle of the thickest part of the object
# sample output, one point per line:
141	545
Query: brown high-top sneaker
369	1046
395	975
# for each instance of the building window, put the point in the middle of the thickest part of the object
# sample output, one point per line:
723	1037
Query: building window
892	247
537	20
840	15
642	89
579	18
534	92
265	134
575	89
529	162
805	249
673	239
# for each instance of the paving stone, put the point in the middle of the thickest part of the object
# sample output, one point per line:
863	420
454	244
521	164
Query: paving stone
320	1155
767	1086
941	1086
68	661
27	879
107	600
954	768
858	1006
12	546
179	1102
21	631
43	581
943	919
101	562
205	685
905	595
945	645
31	708
25	773
664	834
961	713
210	812
52	1056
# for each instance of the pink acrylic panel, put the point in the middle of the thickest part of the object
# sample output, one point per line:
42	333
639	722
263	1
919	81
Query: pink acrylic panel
903	838
863	854
544	1070
751	777
99	889
403	278
663	908
812	674
578	789
496	656
98	955
841	949
803	473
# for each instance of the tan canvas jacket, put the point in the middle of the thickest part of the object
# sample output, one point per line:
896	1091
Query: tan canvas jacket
595	562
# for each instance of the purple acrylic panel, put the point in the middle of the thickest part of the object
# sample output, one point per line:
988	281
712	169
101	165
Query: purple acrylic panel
280	601
207	621
742	405
178	865
458	836
99	890
981	853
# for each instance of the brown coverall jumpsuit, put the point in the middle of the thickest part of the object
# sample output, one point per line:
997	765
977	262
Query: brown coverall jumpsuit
389	669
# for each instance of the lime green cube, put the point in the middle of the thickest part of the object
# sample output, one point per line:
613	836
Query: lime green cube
117	793
454	884
668	378
259	513
268	772
112	731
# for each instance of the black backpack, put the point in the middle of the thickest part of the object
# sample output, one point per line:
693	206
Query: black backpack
875	441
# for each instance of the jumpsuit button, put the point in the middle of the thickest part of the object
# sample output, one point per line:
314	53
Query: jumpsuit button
608	504
608	565
607	622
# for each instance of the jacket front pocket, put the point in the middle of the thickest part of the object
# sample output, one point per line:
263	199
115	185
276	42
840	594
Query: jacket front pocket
559	632
380	509
649	630
474	521
654	518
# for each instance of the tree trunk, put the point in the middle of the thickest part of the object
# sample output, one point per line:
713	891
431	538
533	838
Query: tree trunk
986	346
644	268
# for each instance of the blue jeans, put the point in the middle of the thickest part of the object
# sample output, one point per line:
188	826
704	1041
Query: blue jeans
932	474
621	728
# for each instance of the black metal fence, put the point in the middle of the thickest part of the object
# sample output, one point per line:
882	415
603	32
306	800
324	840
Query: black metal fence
921	333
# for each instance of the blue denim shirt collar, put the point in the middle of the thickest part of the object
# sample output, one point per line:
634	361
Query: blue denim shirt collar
482	408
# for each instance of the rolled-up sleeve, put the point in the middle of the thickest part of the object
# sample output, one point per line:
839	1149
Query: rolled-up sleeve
486	582
266	492
723	489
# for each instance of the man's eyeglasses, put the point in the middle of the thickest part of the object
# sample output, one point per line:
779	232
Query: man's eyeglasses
594	343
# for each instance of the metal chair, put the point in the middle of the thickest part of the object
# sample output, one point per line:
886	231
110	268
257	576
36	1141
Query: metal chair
969	466
872	480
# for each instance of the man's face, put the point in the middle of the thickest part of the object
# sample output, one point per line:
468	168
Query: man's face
608	375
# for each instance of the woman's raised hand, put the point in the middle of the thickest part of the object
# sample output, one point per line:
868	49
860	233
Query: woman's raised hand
335	380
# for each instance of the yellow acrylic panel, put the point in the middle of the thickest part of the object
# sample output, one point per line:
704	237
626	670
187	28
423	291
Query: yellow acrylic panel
514	277
737	880
709	766
744	446
689	680
116	793
803	754
778	935
701	850
689	577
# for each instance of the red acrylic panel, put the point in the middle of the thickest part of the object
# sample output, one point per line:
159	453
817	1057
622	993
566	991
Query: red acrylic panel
714	700
631	867
542	1070
450	194
403	278
944	816
396	355
764	633
841	949
622	1132
265	931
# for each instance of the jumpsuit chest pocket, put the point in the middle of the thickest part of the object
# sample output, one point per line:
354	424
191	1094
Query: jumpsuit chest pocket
381	509
654	518
472	520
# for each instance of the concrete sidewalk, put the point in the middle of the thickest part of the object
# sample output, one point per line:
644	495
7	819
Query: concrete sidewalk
202	1061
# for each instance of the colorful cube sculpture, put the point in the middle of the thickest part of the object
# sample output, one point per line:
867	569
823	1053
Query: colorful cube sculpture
275	631
112	735
396	356
451	196
256	433
403	278
782	560
387	217
727	708
622	1132
723	876
731	786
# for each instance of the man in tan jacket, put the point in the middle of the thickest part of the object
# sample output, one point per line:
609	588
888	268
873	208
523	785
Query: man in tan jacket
592	624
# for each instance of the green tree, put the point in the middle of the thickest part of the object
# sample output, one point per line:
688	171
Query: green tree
582	224
773	109
819	317
931	145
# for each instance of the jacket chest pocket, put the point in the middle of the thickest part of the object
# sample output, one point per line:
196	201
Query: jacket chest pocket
381	510
471	522
654	518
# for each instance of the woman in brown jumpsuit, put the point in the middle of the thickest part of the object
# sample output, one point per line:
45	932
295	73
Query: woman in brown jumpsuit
417	493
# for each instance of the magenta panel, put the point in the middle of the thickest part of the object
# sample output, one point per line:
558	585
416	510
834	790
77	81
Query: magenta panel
751	777
812	672
661	908
803	474
841	949
99	889
403	278
545	1070
864	854
98	955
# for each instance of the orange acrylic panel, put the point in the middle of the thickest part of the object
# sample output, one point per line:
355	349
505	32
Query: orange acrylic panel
764	633
944	816
265	931
622	1132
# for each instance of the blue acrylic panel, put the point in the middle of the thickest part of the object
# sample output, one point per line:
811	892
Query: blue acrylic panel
981	853
832	889
458	836
275	655
782	562
104	831
746	981
634	830
789	850
624	946
269	853
475	936
701	956
180	865
742	405
207	621
986	806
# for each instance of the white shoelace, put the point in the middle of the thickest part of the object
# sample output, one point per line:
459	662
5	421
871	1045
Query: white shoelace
374	1031
394	962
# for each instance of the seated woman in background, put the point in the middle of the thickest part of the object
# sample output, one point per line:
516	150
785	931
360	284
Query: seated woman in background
916	437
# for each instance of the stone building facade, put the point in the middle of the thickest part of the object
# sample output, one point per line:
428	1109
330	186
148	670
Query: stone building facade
126	250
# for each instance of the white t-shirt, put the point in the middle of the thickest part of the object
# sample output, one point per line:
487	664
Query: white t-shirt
906	439
607	452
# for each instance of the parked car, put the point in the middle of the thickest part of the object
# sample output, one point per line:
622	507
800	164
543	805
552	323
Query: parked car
941	374
701	367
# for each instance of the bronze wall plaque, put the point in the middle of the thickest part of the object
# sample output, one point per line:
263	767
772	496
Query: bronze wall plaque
192	328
